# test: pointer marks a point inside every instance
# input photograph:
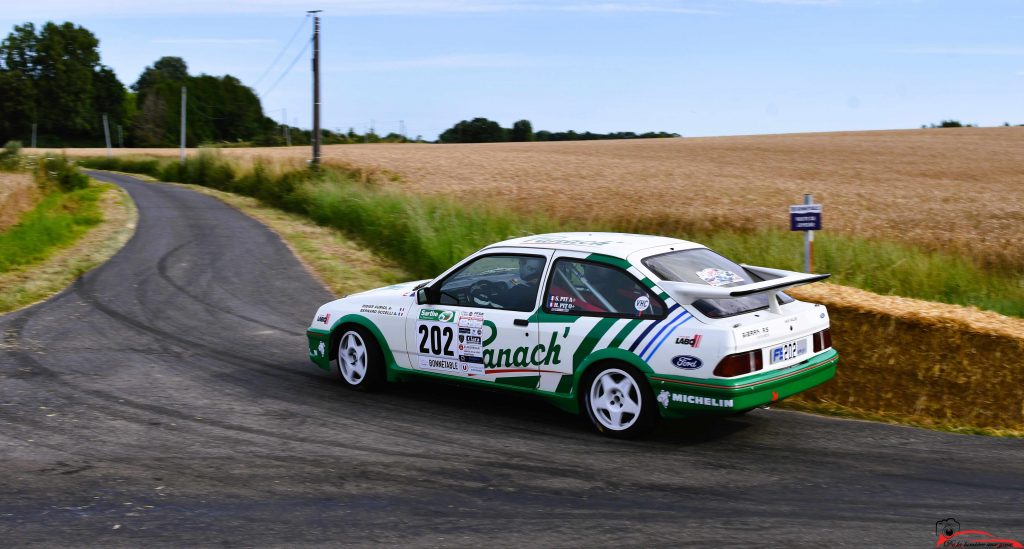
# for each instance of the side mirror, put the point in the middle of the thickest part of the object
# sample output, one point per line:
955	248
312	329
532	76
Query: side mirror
422	297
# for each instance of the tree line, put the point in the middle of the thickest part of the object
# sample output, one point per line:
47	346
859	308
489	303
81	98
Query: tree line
482	130
52	77
53	82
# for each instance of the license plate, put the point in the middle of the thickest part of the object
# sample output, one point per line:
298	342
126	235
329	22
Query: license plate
786	351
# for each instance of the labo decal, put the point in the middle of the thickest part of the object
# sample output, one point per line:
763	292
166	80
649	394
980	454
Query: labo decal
692	341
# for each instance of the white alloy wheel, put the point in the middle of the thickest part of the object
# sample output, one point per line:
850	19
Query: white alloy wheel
615	400
352	357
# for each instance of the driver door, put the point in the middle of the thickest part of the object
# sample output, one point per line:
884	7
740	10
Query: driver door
477	322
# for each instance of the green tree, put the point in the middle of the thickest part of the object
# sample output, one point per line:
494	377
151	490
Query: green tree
477	130
522	130
220	109
54	77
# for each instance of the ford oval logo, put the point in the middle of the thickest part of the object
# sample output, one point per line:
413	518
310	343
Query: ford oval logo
687	362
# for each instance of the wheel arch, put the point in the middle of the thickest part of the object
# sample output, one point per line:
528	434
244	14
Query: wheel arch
606	357
358	320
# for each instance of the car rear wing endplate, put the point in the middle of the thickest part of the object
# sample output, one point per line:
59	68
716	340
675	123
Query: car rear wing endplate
777	281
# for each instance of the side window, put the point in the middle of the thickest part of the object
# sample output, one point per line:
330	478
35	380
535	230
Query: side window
582	287
495	282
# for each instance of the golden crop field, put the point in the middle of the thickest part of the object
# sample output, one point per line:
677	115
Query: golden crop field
951	188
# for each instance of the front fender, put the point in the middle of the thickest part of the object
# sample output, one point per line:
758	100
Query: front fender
327	338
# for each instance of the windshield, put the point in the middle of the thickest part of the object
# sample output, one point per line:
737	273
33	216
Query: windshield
702	266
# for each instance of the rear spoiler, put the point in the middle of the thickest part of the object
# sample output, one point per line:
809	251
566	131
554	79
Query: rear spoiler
777	280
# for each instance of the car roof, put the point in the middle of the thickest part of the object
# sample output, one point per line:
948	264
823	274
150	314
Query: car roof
613	244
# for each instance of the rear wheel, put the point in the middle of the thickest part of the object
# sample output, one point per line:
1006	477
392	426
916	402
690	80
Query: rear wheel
619	402
360	364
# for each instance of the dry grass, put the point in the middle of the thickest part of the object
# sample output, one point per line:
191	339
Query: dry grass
33	283
942	189
18	194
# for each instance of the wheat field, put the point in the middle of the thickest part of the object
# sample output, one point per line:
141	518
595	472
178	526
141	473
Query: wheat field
959	189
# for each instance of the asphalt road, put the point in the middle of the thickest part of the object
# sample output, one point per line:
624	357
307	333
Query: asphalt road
165	399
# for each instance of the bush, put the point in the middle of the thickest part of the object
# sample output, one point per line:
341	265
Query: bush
61	172
9	159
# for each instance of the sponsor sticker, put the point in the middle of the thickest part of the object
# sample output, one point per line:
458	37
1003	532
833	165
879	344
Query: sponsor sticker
718	277
324	319
687	362
556	239
561	303
692	341
435	315
642	303
665	397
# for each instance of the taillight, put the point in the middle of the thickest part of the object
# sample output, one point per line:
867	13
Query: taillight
822	340
739	364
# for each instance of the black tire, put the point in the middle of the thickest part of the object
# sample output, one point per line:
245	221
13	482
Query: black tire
359	359
618	401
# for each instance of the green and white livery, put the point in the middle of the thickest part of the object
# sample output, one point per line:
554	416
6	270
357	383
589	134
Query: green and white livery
627	328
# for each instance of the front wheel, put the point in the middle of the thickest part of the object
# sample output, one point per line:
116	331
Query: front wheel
619	403
360	364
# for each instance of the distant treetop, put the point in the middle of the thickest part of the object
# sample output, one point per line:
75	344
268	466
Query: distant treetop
482	130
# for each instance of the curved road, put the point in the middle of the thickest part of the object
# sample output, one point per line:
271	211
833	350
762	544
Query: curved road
165	399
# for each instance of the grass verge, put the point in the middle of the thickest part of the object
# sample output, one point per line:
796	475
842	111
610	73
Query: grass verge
58	220
112	217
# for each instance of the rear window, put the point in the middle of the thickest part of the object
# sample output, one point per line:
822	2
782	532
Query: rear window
703	266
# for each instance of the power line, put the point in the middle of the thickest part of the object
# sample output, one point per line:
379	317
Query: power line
288	70
281	53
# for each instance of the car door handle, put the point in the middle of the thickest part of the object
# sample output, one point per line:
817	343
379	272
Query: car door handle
521	322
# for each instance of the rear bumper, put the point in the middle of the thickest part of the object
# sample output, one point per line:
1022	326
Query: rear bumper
679	396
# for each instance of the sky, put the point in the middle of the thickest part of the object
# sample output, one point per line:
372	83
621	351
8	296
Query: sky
694	67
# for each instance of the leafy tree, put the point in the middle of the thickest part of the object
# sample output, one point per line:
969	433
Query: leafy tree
220	109
522	130
477	130
54	77
166	69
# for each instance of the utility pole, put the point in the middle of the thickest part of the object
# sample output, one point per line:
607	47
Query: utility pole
287	131
184	94
34	125
316	88
106	134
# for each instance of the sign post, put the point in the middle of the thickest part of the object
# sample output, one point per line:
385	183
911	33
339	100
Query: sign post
806	217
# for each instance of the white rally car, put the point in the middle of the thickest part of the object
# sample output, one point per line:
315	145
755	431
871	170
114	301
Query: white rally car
629	328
